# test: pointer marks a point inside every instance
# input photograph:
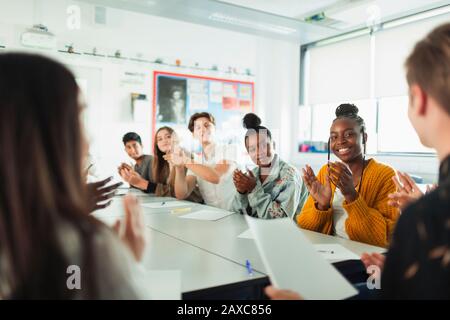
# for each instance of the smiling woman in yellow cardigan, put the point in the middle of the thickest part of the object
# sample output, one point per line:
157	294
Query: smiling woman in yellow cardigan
350	198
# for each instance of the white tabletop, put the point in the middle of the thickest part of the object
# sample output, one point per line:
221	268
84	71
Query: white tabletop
200	270
192	244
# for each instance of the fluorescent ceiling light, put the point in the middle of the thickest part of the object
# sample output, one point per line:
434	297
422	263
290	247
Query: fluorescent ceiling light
251	24
353	16
343	37
140	2
417	17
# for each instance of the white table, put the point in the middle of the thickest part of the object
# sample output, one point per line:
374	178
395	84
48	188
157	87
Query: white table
191	244
203	274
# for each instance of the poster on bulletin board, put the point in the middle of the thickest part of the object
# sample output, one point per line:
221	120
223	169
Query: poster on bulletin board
177	96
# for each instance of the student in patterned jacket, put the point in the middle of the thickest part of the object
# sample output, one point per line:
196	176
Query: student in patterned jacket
273	189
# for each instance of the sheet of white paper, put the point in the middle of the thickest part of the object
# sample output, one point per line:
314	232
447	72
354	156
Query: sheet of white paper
247	234
198	101
215	92
330	252
164	205
297	267
163	284
122	191
335	252
108	218
204	214
137	192
229	90
197	86
140	110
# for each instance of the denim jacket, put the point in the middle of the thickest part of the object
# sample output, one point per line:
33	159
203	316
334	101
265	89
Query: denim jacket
282	194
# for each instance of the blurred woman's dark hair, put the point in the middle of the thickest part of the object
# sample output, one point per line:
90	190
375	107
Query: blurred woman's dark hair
41	185
252	123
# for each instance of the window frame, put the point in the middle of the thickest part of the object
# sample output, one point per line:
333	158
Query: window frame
303	98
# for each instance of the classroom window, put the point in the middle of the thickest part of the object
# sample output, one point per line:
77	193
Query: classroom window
368	71
394	123
304	124
321	117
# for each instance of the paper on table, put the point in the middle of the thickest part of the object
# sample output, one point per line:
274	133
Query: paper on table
297	267
335	252
136	192
331	252
162	284
109	213
164	204
108	218
122	191
247	234
204	214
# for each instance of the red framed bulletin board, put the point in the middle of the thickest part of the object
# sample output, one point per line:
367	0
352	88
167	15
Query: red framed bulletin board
177	96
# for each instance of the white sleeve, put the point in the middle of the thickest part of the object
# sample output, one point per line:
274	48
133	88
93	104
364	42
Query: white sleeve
118	274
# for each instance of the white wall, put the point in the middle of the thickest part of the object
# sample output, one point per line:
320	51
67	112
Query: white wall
275	64
277	91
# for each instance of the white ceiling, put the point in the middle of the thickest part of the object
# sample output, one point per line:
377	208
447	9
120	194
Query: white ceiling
302	8
225	16
285	8
271	18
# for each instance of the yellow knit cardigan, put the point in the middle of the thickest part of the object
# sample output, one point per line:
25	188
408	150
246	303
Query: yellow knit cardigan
370	218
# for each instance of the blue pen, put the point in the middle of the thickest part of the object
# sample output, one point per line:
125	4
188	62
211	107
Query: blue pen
249	267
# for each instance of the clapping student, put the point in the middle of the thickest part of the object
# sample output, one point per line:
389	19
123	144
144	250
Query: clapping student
407	191
349	198
418	262
100	193
143	162
163	172
211	171
417	265
45	225
274	188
